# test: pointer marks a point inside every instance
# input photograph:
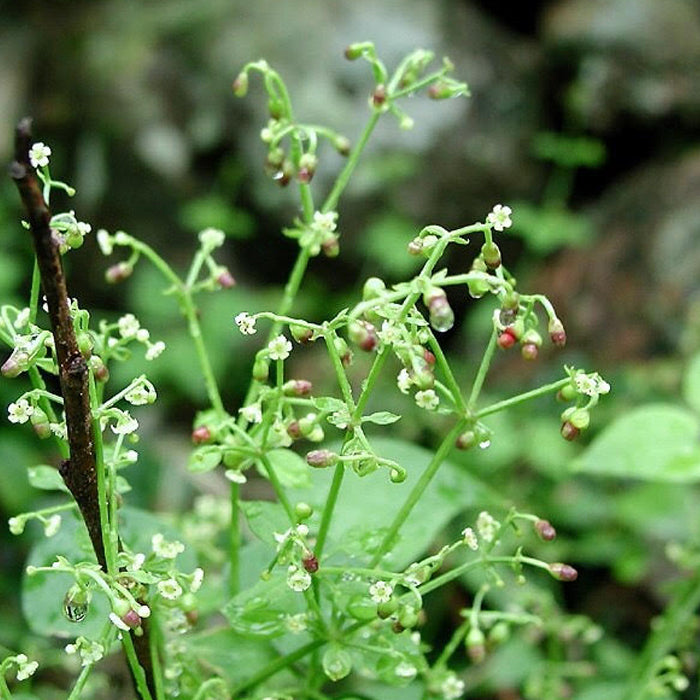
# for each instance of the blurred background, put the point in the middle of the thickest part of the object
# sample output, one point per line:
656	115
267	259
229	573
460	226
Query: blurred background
584	117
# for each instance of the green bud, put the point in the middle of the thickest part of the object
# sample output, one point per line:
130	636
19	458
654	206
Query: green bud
362	608
491	255
40	423
476	645
388	608
408	617
240	85
336	662
373	288
303	511
261	369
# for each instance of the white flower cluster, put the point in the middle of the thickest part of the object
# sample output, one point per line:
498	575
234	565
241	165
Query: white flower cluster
245	323
90	652
591	384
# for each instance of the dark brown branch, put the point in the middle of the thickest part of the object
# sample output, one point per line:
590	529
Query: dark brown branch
79	472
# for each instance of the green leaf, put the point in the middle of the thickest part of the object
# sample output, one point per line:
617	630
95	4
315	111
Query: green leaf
290	468
657	442
691	383
381	418
203	459
328	404
46	478
265	519
366	506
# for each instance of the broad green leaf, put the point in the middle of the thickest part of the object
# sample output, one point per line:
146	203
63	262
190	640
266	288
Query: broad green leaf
46	478
381	418
367	505
326	404
656	442
202	460
265	519
691	383
290	468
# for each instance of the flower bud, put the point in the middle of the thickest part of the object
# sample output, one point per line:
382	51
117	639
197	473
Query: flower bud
275	108
321	459
240	85
303	511
310	562
225	279
40	423
415	247
336	662
511	301
300	334
307	167
261	369
387	608
99	368
529	351
363	334
556	332
506	338
118	273
15	364
343	350
568	431
476	645
201	435
579	418
330	246
397	476
354	51
297	387
408	617
466	440
132	619
85	344
563	572
342	145
545	530
373	288
567	393
378	98
491	254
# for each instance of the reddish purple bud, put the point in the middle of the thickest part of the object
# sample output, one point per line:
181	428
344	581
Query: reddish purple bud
294	430
321	458
132	619
506	338
310	562
545	530
226	279
557	332
201	435
563	572
342	145
331	247
99	368
300	334
569	431
379	95
529	351
118	273
428	357
297	387
14	366
363	334
440	91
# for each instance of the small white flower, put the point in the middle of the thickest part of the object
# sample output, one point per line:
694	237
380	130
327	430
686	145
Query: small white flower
405	670
298	579
155	350
302	529
403	381
118	622
470	539
252	413
325	222
487	526
165	549
381	591
104	240
143	611
296	624
20	411
591	384
142	335
499	217
235	476
16	525
128	326
279	348
126	424
390	333
90	652
52	525
131	456
279	437
59	430
136	563
197	578
169	589
245	323
22	318
212	238
39	155
452	687
427	399
141	394
83	228
25	668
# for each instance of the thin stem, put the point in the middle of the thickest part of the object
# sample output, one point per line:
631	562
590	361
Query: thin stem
77	690
277	486
4	690
418	490
234	542
483	369
136	670
520	398
344	176
331	500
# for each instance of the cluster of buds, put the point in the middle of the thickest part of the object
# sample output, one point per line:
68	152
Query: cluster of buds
585	390
517	328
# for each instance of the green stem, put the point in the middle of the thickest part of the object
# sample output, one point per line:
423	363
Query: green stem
520	398
345	174
34	294
234	543
417	491
483	369
4	690
210	684
77	690
331	500
277	486
276	666
136	670
663	639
